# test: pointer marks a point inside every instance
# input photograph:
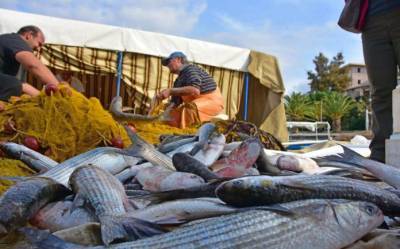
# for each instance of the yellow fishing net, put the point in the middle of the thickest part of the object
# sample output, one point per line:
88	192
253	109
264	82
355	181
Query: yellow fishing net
65	123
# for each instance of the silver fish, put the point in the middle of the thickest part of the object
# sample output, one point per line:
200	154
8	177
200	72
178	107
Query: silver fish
266	190
57	216
157	179
168	147
131	171
33	159
147	151
203	134
384	172
184	148
185	163
118	114
21	202
181	211
318	224
213	150
107	197
111	159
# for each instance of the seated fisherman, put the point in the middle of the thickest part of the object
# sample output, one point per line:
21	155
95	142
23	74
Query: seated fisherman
195	95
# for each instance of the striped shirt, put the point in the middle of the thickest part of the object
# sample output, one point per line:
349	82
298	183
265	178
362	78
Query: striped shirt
192	75
381	6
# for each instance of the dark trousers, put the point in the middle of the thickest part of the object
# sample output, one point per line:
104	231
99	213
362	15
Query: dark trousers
381	46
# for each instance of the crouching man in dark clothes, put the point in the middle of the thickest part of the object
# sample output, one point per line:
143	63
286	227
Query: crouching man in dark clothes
16	49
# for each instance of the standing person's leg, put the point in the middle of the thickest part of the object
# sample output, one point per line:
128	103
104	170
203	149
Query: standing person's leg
381	62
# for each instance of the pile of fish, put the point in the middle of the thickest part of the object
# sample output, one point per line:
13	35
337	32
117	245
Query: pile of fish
198	192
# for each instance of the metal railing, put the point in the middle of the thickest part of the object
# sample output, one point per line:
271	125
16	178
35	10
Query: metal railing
308	130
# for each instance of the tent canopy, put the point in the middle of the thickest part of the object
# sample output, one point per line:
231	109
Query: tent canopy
92	35
89	48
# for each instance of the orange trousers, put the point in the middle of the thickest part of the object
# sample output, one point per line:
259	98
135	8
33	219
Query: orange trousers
195	110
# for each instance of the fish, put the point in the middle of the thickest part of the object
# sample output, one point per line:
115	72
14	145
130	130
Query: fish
168	147
267	190
107	197
185	163
240	159
112	159
203	190
157	179
387	173
147	151
23	200
184	148
87	234
118	114
182	211
203	134
35	160
328	224
213	150
132	171
57	216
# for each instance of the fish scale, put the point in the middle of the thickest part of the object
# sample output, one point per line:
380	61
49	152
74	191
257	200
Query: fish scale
267	229
265	190
105	195
104	157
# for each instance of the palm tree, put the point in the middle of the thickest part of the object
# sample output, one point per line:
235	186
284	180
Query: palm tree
298	107
335	106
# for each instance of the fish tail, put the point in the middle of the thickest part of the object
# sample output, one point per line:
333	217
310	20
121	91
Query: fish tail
138	145
45	240
122	228
166	115
348	156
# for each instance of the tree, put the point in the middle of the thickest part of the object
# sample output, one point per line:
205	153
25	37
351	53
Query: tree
336	106
328	75
298	107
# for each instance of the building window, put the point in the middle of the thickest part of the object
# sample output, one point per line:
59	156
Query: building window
358	70
359	82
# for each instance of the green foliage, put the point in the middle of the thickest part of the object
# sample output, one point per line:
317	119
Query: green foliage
336	106
298	107
328	75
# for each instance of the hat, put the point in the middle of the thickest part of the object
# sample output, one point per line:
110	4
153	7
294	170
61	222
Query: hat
175	54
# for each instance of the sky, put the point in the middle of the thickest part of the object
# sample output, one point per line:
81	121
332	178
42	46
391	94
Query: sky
294	31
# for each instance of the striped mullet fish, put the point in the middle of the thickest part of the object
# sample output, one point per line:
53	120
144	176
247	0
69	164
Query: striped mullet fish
113	160
107	197
267	190
387	173
33	159
147	151
313	224
118	114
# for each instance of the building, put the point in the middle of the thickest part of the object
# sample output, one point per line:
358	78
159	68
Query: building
359	85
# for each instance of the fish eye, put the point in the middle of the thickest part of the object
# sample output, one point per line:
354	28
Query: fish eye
370	210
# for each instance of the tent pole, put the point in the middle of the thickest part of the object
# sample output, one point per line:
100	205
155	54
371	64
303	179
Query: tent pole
246	95
119	72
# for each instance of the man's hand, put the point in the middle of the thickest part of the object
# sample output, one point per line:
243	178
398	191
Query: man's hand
164	94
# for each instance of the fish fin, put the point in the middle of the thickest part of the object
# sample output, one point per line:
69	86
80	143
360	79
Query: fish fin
79	201
152	198
166	115
43	239
197	147
296	185
122	228
347	156
170	220
273	208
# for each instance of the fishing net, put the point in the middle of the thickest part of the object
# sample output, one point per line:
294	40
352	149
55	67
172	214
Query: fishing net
235	130
65	123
